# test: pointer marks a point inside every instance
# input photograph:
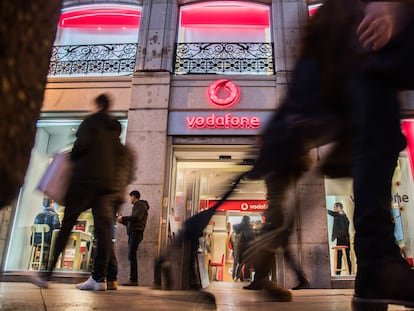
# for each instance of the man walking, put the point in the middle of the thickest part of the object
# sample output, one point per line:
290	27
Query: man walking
135	224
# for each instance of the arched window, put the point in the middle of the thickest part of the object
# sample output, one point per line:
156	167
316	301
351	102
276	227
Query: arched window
224	37
96	40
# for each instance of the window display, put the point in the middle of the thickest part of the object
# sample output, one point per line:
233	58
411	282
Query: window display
36	221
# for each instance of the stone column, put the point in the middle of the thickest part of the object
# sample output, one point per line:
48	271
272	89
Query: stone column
147	129
309	243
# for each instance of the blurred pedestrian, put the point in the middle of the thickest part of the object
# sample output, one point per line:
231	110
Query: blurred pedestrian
95	155
343	92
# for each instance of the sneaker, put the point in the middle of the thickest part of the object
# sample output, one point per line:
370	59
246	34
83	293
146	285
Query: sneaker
370	291
91	284
39	281
273	292
130	283
112	285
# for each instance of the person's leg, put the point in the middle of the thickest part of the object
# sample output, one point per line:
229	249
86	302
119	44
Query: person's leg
338	262
377	140
133	242
103	212
112	273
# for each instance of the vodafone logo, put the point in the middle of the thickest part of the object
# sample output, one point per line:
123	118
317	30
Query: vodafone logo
229	89
244	206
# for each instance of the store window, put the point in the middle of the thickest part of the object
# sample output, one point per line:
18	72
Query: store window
339	192
224	37
95	40
341	232
27	249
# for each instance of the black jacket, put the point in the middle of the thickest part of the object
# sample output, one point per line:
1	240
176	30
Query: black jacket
138	218
95	152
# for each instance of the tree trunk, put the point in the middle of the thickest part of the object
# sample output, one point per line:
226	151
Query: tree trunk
27	32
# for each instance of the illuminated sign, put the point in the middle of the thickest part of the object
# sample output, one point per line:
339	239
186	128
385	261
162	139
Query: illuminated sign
226	121
101	18
236	205
217	123
223	94
231	90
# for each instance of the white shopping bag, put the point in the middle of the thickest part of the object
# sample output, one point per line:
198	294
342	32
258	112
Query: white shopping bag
55	180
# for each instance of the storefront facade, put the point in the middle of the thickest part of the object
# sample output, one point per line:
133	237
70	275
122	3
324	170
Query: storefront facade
191	109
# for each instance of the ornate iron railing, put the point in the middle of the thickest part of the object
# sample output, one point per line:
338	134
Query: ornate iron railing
237	58
93	59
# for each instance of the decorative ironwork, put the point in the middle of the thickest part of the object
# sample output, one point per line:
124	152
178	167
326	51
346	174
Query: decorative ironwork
244	58
93	59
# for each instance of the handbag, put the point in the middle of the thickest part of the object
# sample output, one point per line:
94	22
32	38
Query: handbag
55	181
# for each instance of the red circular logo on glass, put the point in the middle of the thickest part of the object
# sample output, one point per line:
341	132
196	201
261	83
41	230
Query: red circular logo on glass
223	93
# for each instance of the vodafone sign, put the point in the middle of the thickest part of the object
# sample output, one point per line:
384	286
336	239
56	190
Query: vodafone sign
231	93
236	205
221	118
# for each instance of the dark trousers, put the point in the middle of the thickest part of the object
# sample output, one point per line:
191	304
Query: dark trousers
134	239
79	199
277	186
376	142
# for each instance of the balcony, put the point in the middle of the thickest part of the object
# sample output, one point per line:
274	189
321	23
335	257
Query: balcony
224	58
93	59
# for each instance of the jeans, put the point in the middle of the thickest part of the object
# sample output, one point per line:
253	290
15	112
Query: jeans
79	199
376	142
134	239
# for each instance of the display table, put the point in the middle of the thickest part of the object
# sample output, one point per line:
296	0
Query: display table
77	251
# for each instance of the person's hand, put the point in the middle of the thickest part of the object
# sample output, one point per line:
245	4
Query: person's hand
119	219
382	21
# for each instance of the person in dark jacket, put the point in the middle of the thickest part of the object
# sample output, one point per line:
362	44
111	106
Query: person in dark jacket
49	217
340	233
356	55
95	156
135	224
246	235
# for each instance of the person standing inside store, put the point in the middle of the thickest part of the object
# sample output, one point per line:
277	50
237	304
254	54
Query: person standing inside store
47	216
246	235
340	233
95	157
234	242
135	224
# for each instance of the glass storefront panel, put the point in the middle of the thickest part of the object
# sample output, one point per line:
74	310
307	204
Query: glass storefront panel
340	211
23	252
402	213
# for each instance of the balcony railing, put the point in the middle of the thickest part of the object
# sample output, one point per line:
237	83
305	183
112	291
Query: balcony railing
230	58
93	59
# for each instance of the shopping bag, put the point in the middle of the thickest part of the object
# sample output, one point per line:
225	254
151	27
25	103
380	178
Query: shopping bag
55	180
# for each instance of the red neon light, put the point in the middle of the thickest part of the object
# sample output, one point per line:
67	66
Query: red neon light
227	121
237	205
104	18
313	8
408	130
225	15
232	92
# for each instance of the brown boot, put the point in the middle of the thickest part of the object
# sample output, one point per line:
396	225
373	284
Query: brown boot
273	292
385	283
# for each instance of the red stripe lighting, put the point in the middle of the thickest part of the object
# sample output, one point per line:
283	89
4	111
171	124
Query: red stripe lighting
408	130
103	18
225	15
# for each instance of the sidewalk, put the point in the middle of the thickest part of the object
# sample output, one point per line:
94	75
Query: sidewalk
229	297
